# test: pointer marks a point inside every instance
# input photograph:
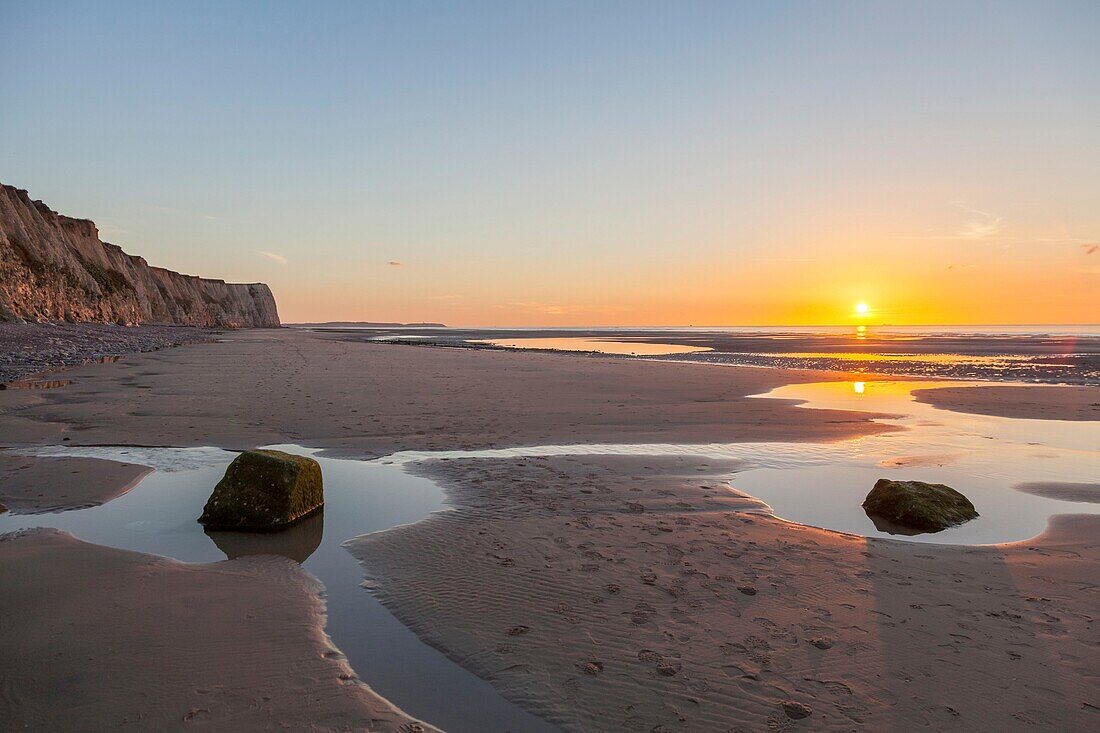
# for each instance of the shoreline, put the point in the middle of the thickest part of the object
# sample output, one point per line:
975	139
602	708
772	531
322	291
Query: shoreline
1027	358
149	395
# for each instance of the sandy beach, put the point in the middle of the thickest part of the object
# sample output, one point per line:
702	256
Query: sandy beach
602	593
543	367
99	639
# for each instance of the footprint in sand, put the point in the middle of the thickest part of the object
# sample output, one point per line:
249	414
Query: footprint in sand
797	710
668	669
641	614
593	668
663	667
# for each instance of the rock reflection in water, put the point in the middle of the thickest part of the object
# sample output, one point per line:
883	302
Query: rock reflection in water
885	525
297	542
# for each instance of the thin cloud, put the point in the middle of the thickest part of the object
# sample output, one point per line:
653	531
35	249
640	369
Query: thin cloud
986	226
273	256
395	263
1091	248
979	225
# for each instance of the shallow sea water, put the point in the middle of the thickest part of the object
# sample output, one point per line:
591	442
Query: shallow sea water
621	346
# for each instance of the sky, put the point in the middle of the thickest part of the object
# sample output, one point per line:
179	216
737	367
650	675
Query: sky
565	163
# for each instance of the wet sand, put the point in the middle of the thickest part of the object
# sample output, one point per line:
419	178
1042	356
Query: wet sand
97	639
1050	354
605	594
644	598
1018	401
1063	491
34	485
370	399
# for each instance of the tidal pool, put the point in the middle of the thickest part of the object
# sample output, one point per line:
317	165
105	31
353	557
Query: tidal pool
984	457
159	516
824	484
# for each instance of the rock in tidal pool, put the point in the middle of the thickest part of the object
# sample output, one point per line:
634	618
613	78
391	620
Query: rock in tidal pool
917	505
264	490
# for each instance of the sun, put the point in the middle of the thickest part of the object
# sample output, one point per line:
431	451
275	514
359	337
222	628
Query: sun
862	309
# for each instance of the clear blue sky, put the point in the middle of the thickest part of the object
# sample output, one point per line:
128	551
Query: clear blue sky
578	162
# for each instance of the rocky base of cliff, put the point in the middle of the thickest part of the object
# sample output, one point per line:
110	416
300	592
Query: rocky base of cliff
27	349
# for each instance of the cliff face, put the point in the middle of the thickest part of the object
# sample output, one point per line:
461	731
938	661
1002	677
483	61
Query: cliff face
54	268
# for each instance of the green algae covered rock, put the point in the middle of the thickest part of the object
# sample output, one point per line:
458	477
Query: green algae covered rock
917	505
264	490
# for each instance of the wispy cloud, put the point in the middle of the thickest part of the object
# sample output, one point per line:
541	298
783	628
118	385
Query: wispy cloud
273	256
1091	248
986	226
979	224
395	263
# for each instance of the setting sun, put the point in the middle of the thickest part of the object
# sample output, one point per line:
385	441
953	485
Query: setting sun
862	309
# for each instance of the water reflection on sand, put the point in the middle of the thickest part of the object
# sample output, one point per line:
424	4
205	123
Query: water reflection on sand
624	347
824	484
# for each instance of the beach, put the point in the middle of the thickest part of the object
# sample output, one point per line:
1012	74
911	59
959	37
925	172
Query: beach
496	367
599	592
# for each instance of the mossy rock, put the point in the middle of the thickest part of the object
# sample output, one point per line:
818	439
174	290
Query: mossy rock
918	505
264	490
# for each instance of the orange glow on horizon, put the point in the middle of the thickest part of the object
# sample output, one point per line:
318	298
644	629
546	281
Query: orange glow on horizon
721	290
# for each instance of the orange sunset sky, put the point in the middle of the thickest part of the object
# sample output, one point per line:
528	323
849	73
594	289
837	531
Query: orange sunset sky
581	163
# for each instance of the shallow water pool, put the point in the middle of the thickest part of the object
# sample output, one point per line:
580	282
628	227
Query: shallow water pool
159	517
824	484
